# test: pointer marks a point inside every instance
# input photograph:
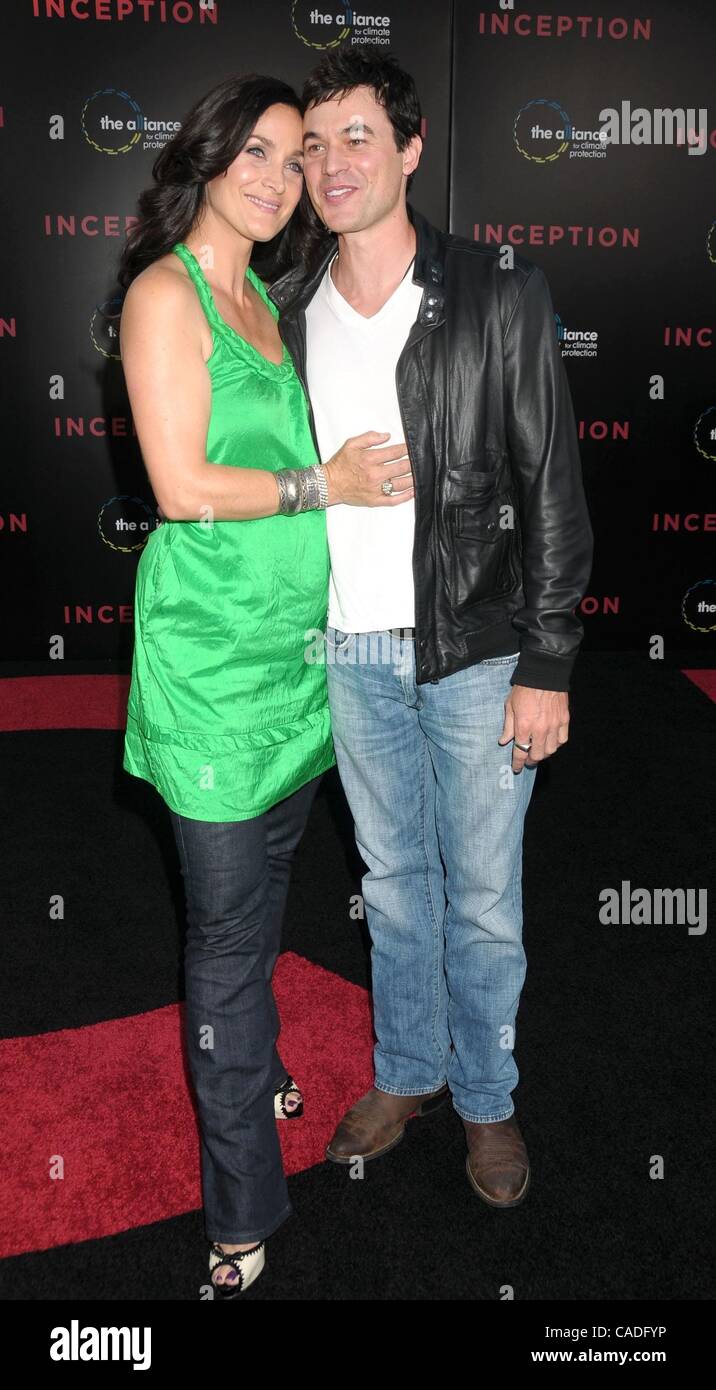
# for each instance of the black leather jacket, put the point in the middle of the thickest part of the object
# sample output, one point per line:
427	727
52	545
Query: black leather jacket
503	542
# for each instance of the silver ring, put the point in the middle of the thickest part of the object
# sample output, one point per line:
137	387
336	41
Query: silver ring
524	746
387	487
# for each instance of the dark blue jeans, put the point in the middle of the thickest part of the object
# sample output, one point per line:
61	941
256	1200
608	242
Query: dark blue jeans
236	876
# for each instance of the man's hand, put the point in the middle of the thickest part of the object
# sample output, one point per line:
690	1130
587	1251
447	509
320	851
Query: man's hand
356	473
539	718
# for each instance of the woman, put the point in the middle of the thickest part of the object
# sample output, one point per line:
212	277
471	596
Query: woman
225	716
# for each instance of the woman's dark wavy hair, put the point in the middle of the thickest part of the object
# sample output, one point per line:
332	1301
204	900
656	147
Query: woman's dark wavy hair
215	130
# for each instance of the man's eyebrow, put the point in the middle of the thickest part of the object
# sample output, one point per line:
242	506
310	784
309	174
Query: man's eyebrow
265	141
353	125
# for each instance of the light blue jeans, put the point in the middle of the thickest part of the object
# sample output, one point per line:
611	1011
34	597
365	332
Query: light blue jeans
438	818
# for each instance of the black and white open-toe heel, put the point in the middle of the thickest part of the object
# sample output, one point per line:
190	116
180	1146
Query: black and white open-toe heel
247	1264
288	1087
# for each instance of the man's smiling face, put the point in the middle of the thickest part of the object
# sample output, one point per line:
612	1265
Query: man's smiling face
353	170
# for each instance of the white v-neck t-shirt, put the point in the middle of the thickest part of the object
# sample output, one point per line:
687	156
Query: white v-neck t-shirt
350	366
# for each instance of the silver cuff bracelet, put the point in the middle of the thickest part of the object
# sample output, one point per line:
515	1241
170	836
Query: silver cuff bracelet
301	489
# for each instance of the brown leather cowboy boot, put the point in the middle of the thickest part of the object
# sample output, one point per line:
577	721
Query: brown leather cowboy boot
376	1123
497	1163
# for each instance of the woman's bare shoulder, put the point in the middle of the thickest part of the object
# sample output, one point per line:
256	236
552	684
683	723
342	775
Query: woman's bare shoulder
165	282
161	304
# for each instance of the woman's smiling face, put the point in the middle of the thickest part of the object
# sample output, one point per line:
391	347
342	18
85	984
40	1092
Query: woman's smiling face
261	187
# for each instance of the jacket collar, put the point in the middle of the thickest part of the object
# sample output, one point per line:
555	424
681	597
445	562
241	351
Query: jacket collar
294	290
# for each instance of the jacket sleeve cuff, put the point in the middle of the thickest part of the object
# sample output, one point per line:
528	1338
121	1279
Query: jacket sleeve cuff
542	671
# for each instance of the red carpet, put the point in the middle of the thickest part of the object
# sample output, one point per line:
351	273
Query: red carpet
100	702
705	680
112	1102
63	702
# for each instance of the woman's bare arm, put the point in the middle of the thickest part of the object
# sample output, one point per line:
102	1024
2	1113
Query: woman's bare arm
170	395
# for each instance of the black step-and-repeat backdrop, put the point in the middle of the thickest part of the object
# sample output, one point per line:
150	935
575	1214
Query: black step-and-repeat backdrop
514	102
624	230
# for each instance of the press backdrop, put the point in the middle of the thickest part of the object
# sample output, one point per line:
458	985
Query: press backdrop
511	100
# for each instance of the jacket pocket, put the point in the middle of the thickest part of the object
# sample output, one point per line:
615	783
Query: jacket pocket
482	559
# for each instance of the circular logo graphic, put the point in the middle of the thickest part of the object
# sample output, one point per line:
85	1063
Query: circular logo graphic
542	130
318	29
104	327
705	433
125	523
111	121
698	606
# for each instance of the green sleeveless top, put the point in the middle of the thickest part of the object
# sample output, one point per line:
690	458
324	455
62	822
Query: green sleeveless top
227	711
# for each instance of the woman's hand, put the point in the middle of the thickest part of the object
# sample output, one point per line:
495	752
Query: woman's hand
357	471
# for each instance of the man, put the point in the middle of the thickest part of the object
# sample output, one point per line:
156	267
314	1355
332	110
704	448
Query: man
469	585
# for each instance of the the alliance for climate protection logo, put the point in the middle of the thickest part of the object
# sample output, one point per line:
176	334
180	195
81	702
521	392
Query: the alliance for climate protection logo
705	433
328	25
576	342
543	131
114	123
698	606
104	327
125	523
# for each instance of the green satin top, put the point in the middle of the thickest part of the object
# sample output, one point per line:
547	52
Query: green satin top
227	710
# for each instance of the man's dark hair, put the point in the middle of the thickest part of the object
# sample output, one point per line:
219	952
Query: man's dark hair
343	69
